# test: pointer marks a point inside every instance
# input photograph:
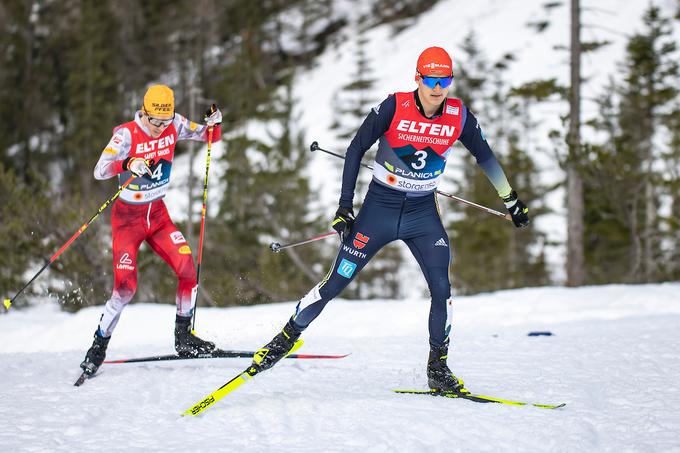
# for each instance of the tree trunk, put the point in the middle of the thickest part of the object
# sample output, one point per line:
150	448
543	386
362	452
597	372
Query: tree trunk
650	218
634	266
575	204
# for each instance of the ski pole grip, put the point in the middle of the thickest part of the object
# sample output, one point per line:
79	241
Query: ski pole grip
314	146
275	247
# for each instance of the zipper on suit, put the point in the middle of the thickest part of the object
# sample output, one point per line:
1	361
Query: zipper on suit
148	215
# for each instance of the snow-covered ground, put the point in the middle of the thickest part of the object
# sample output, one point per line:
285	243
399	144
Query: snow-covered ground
613	359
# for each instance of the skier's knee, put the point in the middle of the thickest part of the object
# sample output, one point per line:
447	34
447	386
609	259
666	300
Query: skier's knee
124	294
440	288
186	273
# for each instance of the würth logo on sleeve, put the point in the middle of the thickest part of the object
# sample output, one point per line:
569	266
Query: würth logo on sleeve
360	241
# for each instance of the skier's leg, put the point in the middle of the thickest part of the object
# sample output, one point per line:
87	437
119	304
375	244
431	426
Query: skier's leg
372	230
429	244
422	230
169	243
375	225
433	261
127	235
353	255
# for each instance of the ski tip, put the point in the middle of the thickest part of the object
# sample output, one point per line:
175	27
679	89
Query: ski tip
551	406
7	303
318	356
80	380
413	391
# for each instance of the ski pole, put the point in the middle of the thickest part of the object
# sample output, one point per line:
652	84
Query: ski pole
203	212
315	147
276	247
8	302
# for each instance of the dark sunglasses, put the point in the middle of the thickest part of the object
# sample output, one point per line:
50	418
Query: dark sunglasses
432	82
159	122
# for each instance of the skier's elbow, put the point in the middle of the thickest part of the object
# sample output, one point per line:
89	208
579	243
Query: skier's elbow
99	175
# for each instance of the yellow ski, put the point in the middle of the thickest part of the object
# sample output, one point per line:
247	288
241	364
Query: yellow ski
230	386
479	398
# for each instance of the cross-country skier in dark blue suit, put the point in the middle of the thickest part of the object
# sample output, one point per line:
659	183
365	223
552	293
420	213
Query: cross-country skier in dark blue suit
416	131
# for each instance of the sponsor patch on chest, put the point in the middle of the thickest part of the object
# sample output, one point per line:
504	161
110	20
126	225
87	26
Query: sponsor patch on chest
418	127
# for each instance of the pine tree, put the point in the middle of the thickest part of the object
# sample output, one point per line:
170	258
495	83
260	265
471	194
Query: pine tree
265	193
671	186
626	166
25	223
67	100
265	198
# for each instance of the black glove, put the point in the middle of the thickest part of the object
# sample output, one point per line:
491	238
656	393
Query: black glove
342	223
517	209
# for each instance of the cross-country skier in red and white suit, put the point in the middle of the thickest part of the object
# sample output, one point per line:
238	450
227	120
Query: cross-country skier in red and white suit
144	147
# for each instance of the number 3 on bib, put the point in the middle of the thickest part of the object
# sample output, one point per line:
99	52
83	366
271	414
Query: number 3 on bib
421	155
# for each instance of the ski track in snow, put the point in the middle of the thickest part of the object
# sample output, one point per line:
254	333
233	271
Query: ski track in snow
613	359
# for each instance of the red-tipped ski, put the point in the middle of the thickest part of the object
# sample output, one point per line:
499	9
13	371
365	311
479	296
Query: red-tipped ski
219	354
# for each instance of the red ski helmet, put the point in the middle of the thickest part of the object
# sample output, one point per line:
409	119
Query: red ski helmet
434	61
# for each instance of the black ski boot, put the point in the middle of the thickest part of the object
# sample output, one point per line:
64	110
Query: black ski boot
95	355
268	355
439	376
186	343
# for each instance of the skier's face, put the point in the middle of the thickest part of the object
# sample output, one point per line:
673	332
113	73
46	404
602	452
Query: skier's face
433	97
155	126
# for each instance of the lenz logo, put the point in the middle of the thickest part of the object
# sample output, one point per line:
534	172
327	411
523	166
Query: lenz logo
202	405
346	268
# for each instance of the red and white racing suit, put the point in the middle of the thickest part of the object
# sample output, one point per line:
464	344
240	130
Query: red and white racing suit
140	215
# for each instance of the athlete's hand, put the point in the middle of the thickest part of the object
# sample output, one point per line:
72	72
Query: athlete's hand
137	166
342	223
517	209
213	116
